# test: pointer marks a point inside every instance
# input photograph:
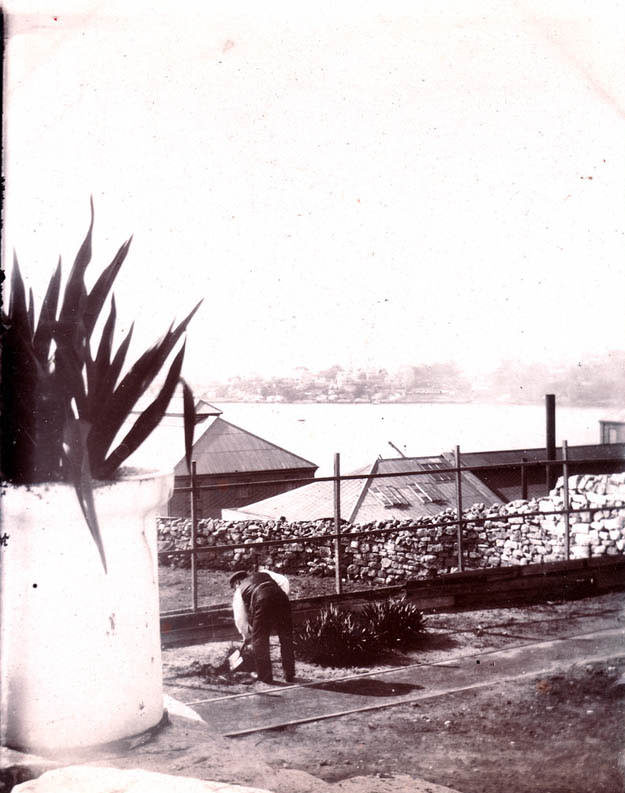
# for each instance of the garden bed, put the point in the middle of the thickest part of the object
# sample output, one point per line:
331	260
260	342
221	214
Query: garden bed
558	732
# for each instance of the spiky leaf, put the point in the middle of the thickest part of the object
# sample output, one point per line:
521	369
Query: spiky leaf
47	317
77	458
128	392
147	421
102	287
189	417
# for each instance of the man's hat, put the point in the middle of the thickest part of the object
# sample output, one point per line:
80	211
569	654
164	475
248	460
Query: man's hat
237	576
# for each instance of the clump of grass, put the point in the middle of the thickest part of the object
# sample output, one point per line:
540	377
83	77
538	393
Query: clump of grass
336	638
341	638
395	623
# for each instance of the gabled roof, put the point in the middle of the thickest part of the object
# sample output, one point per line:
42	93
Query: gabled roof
408	495
225	448
368	500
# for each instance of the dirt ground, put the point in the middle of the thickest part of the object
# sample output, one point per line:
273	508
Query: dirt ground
213	588
558	733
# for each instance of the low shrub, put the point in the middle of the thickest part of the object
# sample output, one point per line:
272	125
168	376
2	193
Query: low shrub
336	638
394	623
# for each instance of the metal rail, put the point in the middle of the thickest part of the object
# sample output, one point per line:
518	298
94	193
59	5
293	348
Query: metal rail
380	672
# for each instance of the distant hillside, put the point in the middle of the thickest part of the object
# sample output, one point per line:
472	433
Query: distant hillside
598	382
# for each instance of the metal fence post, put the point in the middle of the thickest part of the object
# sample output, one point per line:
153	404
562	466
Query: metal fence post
459	503
337	522
565	496
523	479
193	536
550	440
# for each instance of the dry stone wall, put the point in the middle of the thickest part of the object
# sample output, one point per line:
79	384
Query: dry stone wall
519	532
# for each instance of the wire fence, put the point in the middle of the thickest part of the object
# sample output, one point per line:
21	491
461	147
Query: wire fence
336	539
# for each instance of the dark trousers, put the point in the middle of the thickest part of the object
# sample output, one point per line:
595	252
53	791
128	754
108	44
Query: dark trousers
270	612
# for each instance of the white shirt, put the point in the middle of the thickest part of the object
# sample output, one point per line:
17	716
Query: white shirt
238	606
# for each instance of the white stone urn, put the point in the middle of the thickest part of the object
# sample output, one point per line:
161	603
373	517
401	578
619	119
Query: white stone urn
80	659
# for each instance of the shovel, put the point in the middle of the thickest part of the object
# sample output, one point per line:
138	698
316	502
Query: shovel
235	659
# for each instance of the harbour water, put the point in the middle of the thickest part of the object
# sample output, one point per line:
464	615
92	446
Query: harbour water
362	432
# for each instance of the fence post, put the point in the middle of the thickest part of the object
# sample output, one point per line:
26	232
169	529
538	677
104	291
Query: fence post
565	496
193	536
459	503
550	441
523	479
337	522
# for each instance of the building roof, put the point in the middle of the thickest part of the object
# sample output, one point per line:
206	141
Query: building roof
225	448
506	482
309	502
595	451
203	408
403	496
615	417
408	495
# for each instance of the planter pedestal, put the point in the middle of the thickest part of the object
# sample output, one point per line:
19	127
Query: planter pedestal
80	659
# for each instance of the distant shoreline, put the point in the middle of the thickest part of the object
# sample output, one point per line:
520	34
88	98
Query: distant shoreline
229	401
539	403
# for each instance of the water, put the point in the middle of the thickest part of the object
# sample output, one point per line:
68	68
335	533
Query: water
361	432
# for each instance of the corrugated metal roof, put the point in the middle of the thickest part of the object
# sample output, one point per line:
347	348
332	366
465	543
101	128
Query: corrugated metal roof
507	481
595	451
412	496
374	499
309	502
226	448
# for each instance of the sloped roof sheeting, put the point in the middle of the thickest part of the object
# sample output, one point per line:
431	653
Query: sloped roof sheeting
507	481
415	495
378	498
309	502
226	448
595	451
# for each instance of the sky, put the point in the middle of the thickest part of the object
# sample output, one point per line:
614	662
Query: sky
373	184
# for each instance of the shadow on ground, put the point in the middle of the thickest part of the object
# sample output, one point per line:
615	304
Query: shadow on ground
369	687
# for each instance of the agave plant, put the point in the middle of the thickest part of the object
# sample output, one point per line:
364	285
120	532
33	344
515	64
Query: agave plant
395	623
335	638
62	405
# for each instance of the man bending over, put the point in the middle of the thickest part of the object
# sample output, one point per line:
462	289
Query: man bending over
261	607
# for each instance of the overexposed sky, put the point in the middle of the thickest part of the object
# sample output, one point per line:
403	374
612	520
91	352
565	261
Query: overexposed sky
369	184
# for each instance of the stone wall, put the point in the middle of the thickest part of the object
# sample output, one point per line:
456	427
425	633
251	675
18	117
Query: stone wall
500	534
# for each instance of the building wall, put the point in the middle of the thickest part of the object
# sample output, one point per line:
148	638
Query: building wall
240	490
492	537
612	431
